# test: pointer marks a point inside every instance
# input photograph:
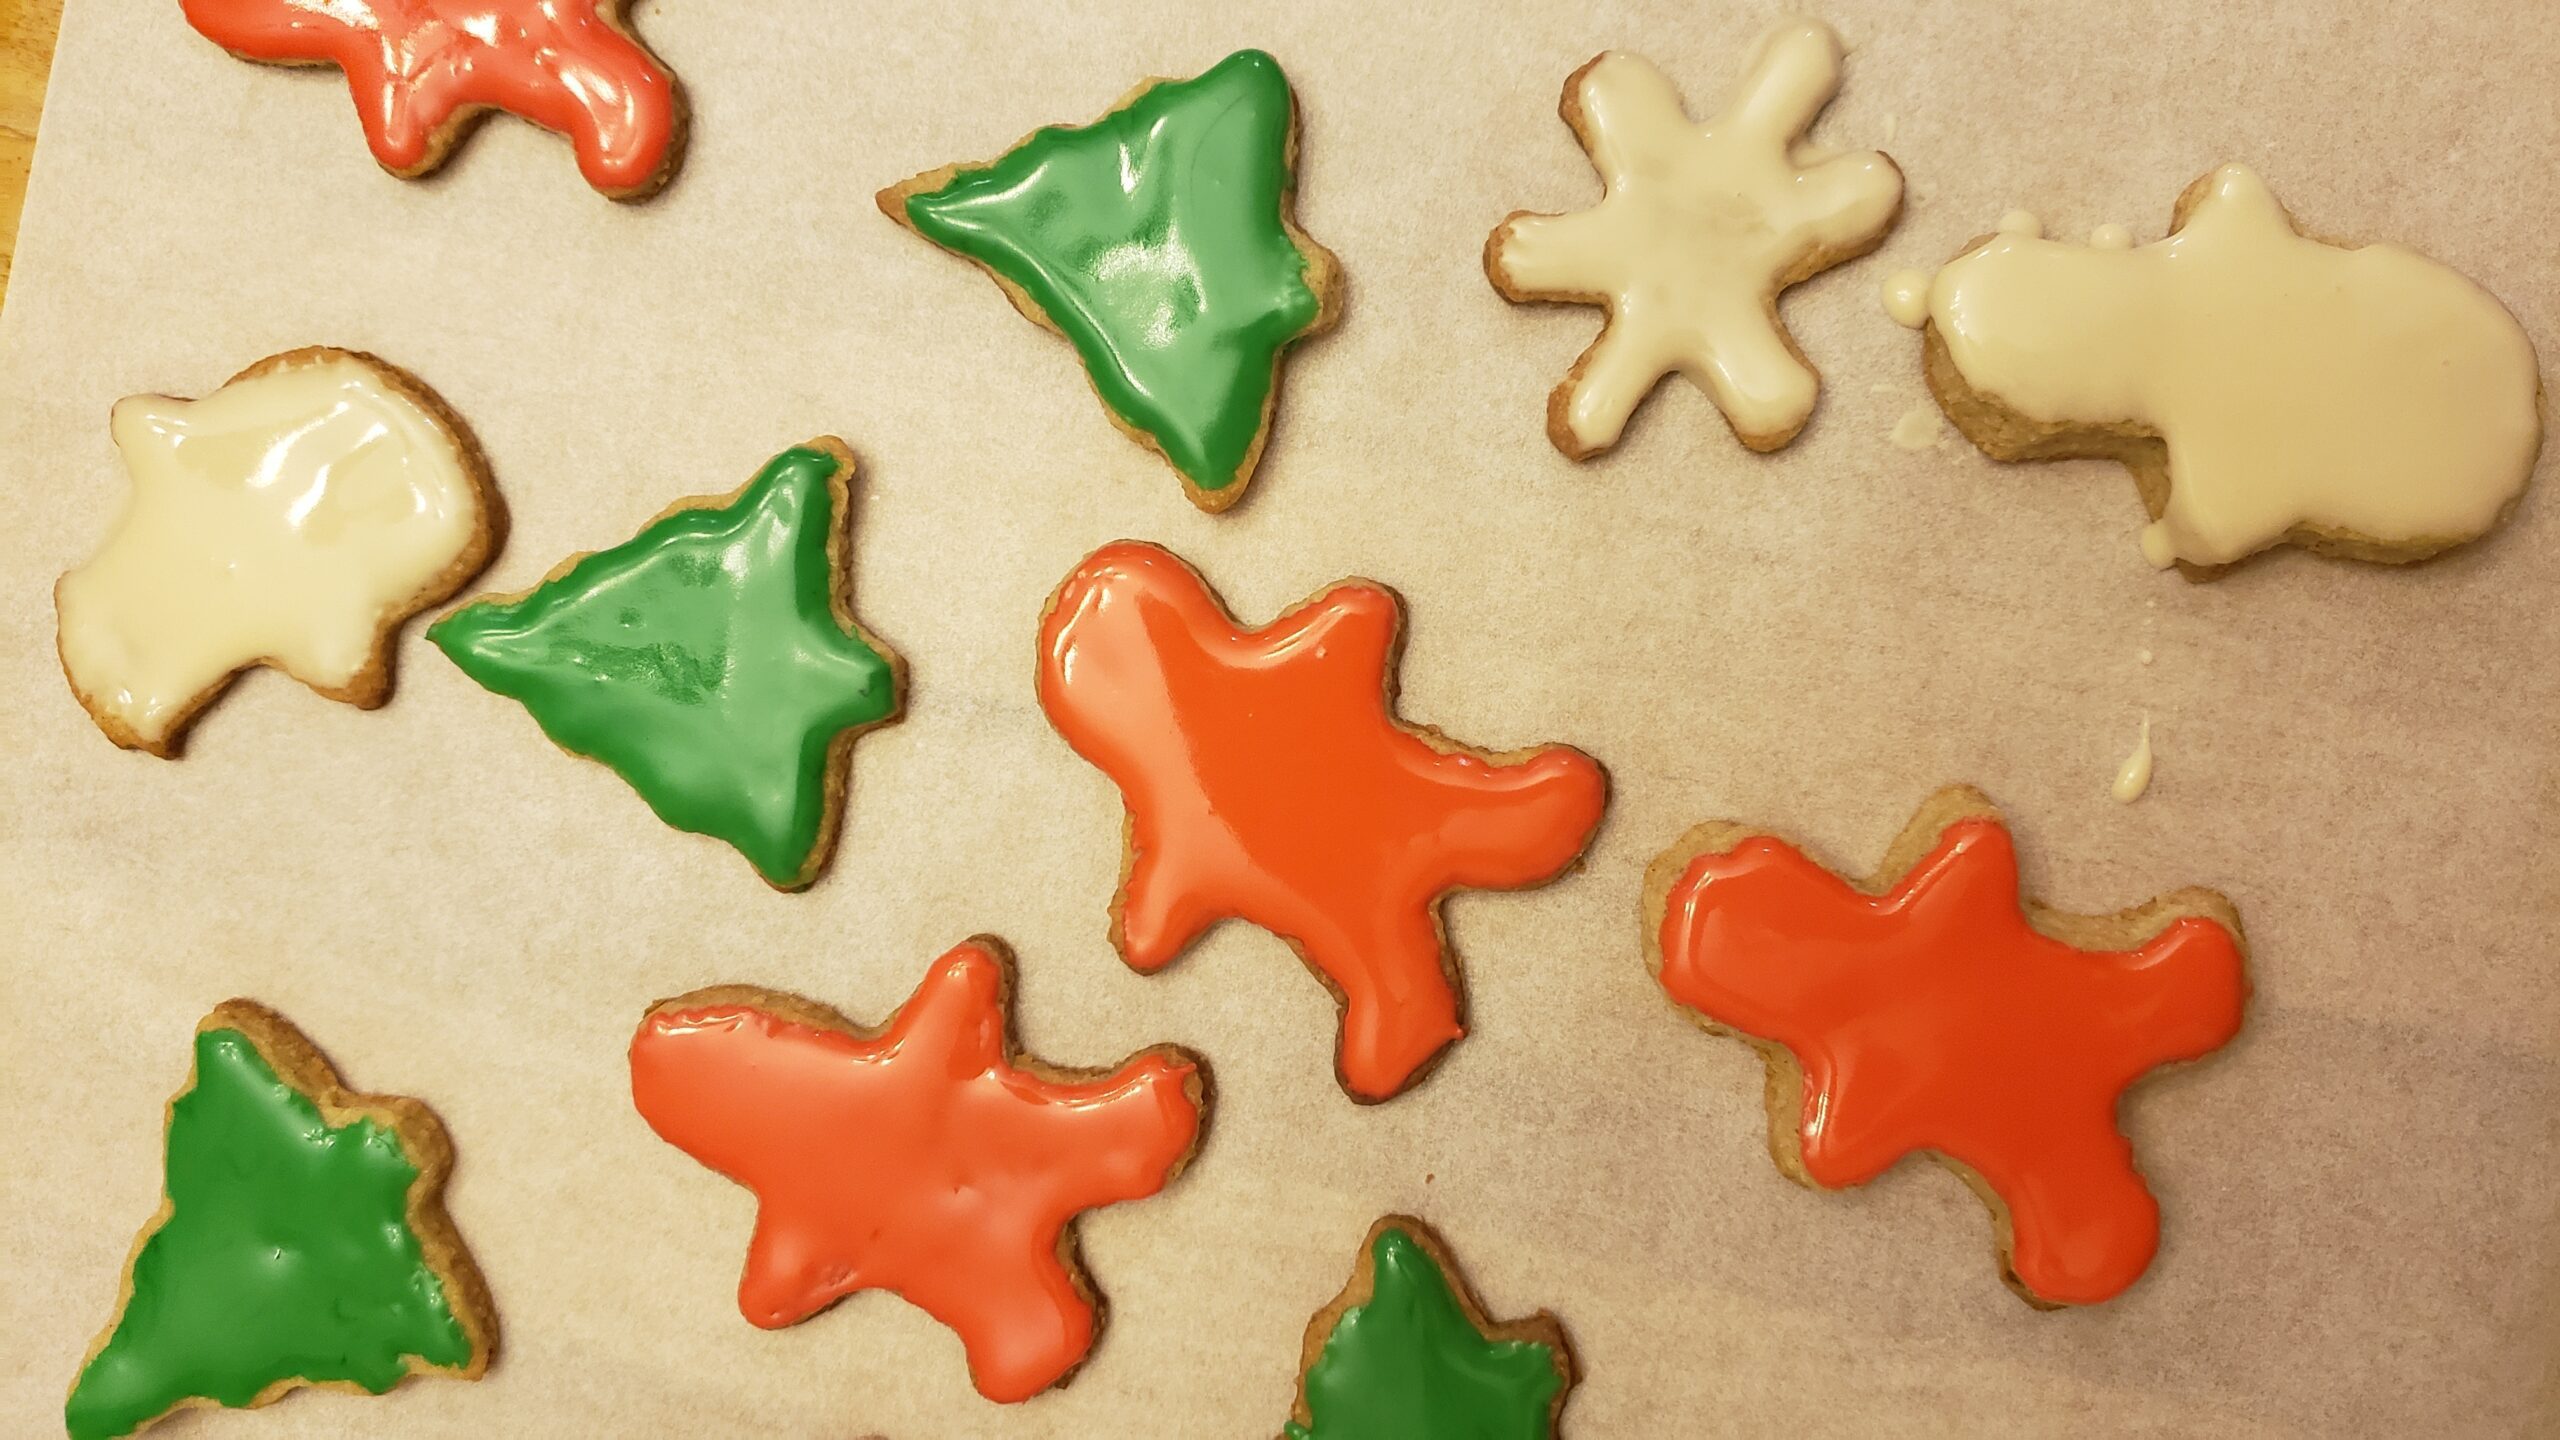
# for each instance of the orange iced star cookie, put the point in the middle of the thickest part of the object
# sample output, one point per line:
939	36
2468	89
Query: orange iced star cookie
1268	779
924	1158
1932	1009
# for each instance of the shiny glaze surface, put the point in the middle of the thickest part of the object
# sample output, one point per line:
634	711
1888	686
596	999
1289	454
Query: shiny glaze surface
286	1254
703	660
1408	1364
2297	385
415	66
922	1161
289	518
1936	1017
1153	238
1698	229
1266	778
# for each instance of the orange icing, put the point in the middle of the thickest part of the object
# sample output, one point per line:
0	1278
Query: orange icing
919	1160
1934	1016
1267	779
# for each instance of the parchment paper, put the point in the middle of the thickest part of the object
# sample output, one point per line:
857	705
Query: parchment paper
2362	1195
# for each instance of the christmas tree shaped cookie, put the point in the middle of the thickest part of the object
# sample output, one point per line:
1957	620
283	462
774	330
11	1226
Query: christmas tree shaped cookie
1158	240
303	1241
712	660
1406	1353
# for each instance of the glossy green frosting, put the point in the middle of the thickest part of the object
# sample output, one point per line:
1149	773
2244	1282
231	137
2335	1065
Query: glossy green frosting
286	1253
703	661
1408	1365
1153	238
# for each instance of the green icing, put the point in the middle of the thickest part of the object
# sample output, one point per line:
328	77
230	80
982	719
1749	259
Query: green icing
703	661
287	1253
1408	1365
1153	237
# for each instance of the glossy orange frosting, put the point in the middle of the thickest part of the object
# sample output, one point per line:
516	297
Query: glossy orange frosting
1935	1017
921	1160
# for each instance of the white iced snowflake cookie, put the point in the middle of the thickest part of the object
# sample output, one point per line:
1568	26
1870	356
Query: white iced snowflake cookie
293	518
2264	387
1697	231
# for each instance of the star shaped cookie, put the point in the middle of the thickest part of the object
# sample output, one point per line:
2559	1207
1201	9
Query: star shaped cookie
1698	230
1266	778
712	660
925	1158
422	71
1932	1009
294	518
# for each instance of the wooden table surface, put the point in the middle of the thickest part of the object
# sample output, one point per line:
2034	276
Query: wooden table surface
26	55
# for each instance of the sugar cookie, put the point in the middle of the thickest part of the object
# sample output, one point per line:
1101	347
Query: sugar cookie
294	518
927	1157
1265	776
423	71
712	660
1161	241
303	1241
1930	1008
1698	230
2263	386
1406	1352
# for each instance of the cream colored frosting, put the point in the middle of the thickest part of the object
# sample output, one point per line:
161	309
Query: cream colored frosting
2133	777
286	519
1906	297
1698	228
2369	393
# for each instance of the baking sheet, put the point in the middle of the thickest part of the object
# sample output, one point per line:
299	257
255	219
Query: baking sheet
2362	1195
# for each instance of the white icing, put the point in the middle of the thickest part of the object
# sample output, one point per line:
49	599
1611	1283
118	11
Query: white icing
285	519
2369	391
1906	298
2133	777
1699	227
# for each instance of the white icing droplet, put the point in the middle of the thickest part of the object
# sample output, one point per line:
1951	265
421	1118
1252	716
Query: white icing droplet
2111	237
2134	775
1918	429
2157	547
2022	222
1906	298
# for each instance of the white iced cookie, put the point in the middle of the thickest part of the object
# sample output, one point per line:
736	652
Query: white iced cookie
1698	229
2262	386
293	518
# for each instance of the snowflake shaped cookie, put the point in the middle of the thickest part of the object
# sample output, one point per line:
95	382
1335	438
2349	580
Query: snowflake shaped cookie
1700	227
